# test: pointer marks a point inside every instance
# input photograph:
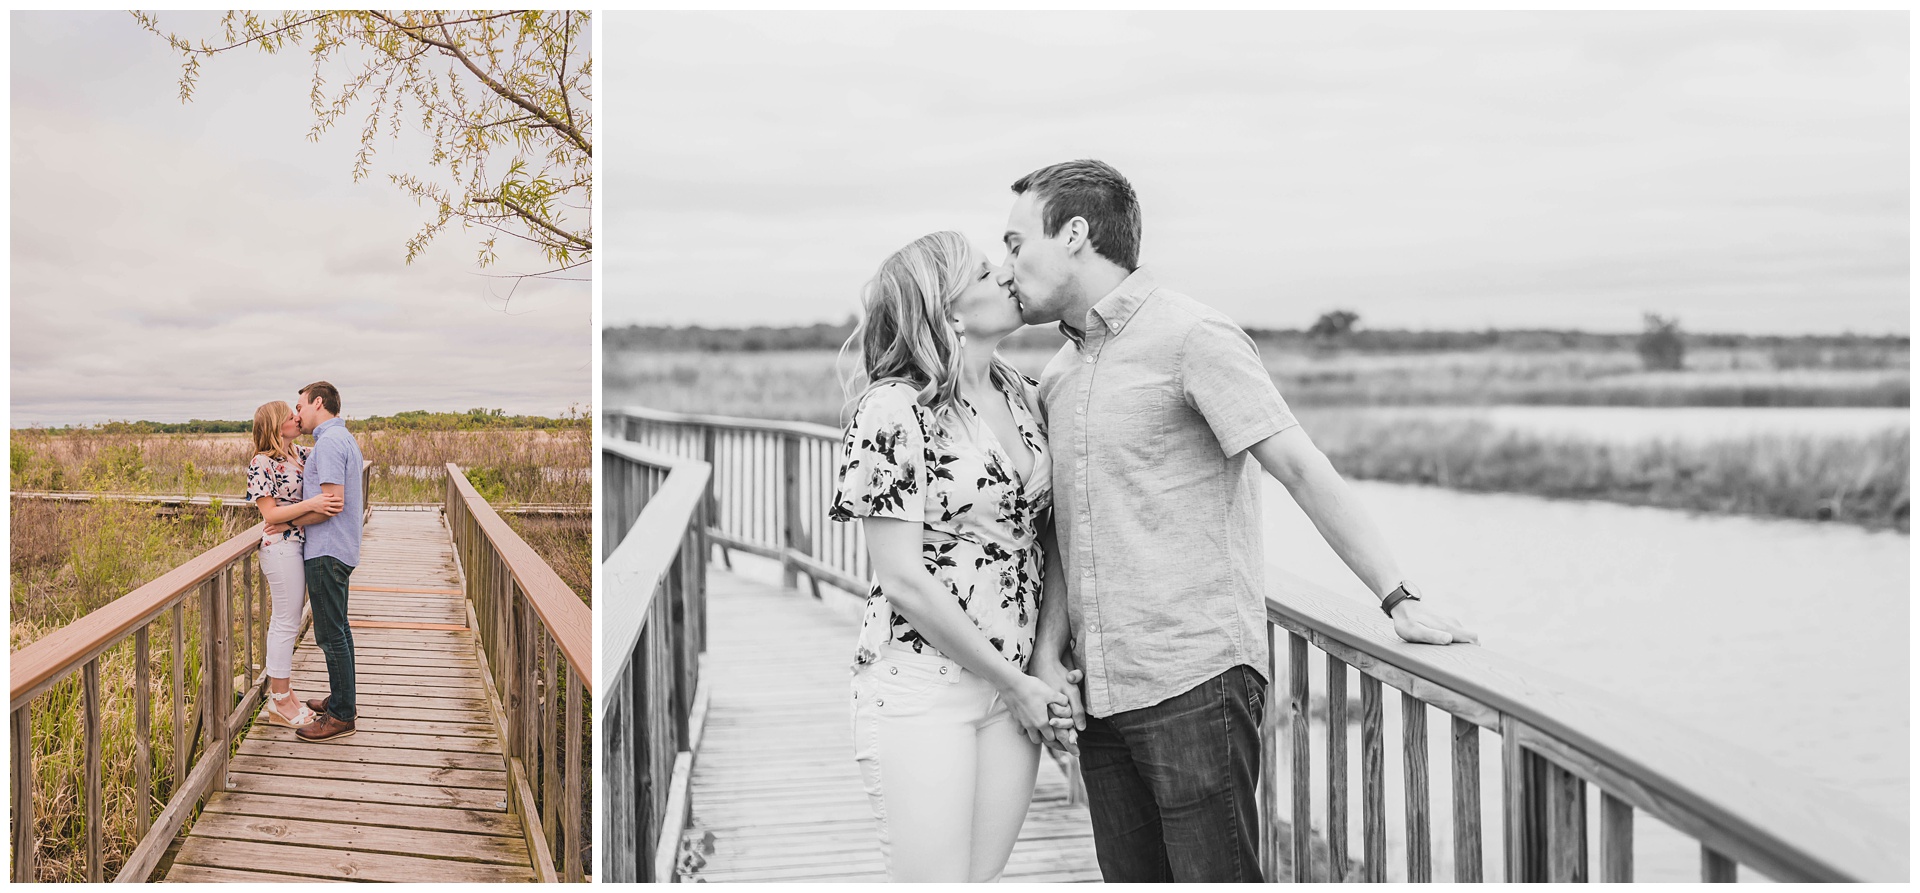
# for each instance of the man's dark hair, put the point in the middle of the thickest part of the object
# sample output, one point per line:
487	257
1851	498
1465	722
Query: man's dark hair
328	395
1095	192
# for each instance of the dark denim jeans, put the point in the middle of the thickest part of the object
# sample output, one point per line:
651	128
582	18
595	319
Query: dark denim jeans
327	578
1171	786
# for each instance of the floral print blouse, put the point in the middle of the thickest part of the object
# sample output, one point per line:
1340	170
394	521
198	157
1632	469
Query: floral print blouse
980	522
280	479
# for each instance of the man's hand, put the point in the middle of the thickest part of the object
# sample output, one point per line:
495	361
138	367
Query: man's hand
1414	622
1058	676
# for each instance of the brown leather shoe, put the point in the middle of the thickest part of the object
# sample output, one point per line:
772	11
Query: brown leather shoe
326	728
318	705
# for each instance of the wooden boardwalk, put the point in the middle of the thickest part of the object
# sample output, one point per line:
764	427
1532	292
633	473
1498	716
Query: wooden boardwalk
774	779
418	793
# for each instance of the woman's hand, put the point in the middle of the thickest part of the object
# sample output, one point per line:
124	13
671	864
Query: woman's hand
326	504
273	529
1032	703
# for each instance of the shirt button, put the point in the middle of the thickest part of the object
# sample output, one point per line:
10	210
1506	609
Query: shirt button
1089	360
1082	410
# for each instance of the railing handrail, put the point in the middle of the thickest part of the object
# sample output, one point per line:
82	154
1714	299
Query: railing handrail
1734	801
645	555
1746	801
733	423
42	663
567	619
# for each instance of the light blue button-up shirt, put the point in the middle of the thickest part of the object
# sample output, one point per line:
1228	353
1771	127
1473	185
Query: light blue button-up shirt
1156	500
335	460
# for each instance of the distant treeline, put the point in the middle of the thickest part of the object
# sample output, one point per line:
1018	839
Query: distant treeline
1864	351
411	420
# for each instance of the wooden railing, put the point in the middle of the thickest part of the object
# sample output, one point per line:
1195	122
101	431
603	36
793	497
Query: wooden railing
194	606
654	509
536	642
771	485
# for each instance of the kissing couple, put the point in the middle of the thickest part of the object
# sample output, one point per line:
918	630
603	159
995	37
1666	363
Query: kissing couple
1075	560
312	503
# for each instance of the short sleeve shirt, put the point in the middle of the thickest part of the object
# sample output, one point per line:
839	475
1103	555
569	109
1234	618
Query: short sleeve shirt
980	522
335	460
280	479
1156	499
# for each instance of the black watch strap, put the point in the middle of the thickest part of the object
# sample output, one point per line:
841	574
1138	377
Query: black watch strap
1394	598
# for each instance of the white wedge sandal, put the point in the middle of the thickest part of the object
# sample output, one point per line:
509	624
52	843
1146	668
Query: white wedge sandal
304	717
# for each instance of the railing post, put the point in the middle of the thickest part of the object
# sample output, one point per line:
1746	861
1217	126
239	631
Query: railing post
26	846
1525	781
790	500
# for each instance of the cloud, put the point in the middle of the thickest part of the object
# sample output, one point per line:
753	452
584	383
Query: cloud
1747	170
171	261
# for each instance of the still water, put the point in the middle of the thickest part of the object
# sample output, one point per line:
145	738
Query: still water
1788	638
1633	424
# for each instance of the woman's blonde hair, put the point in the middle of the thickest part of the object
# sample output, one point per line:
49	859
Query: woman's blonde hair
906	333
266	429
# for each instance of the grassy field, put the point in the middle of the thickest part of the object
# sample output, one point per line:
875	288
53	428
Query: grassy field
535	465
69	559
1865	482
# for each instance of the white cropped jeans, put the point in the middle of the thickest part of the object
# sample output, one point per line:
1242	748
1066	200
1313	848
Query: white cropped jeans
285	567
946	766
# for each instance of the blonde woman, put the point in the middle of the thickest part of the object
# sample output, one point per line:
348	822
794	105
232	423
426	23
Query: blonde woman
273	484
946	468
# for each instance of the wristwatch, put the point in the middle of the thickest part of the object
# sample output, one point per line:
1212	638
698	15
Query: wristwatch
1405	592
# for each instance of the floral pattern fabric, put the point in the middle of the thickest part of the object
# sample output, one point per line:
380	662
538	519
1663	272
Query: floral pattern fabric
280	479
980	521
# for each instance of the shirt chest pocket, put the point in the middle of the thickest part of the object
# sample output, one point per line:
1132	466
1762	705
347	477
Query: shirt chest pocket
1133	418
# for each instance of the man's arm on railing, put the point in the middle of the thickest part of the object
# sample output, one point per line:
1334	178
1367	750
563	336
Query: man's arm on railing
1052	660
1292	459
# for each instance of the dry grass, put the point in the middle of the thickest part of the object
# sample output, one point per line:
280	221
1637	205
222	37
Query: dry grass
538	465
69	559
1858	482
805	386
565	543
1864	481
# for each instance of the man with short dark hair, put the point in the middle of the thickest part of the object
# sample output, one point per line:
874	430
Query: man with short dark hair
1157	411
332	552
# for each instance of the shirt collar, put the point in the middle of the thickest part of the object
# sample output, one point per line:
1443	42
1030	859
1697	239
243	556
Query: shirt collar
336	420
1120	304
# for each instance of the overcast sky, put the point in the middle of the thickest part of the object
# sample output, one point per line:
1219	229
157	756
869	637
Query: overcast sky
1745	172
178	261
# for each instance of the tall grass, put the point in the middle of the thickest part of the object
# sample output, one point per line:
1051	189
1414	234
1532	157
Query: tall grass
564	542
1863	482
538	465
69	559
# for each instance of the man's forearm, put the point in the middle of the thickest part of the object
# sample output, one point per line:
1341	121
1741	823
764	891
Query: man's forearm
1330	504
1052	630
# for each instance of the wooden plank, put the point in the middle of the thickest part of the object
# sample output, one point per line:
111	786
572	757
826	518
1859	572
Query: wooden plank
344	865
1300	758
1566	827
200	874
1336	827
1467	868
388	773
1413	733
387	815
363	838
369	792
397	624
426	590
90	719
1715	868
1616	840
1373	786
372	738
347	752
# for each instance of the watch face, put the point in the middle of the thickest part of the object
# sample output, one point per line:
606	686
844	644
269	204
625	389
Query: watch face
1412	590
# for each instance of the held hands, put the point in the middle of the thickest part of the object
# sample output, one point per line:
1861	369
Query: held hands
1067	711
1041	710
1413	622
